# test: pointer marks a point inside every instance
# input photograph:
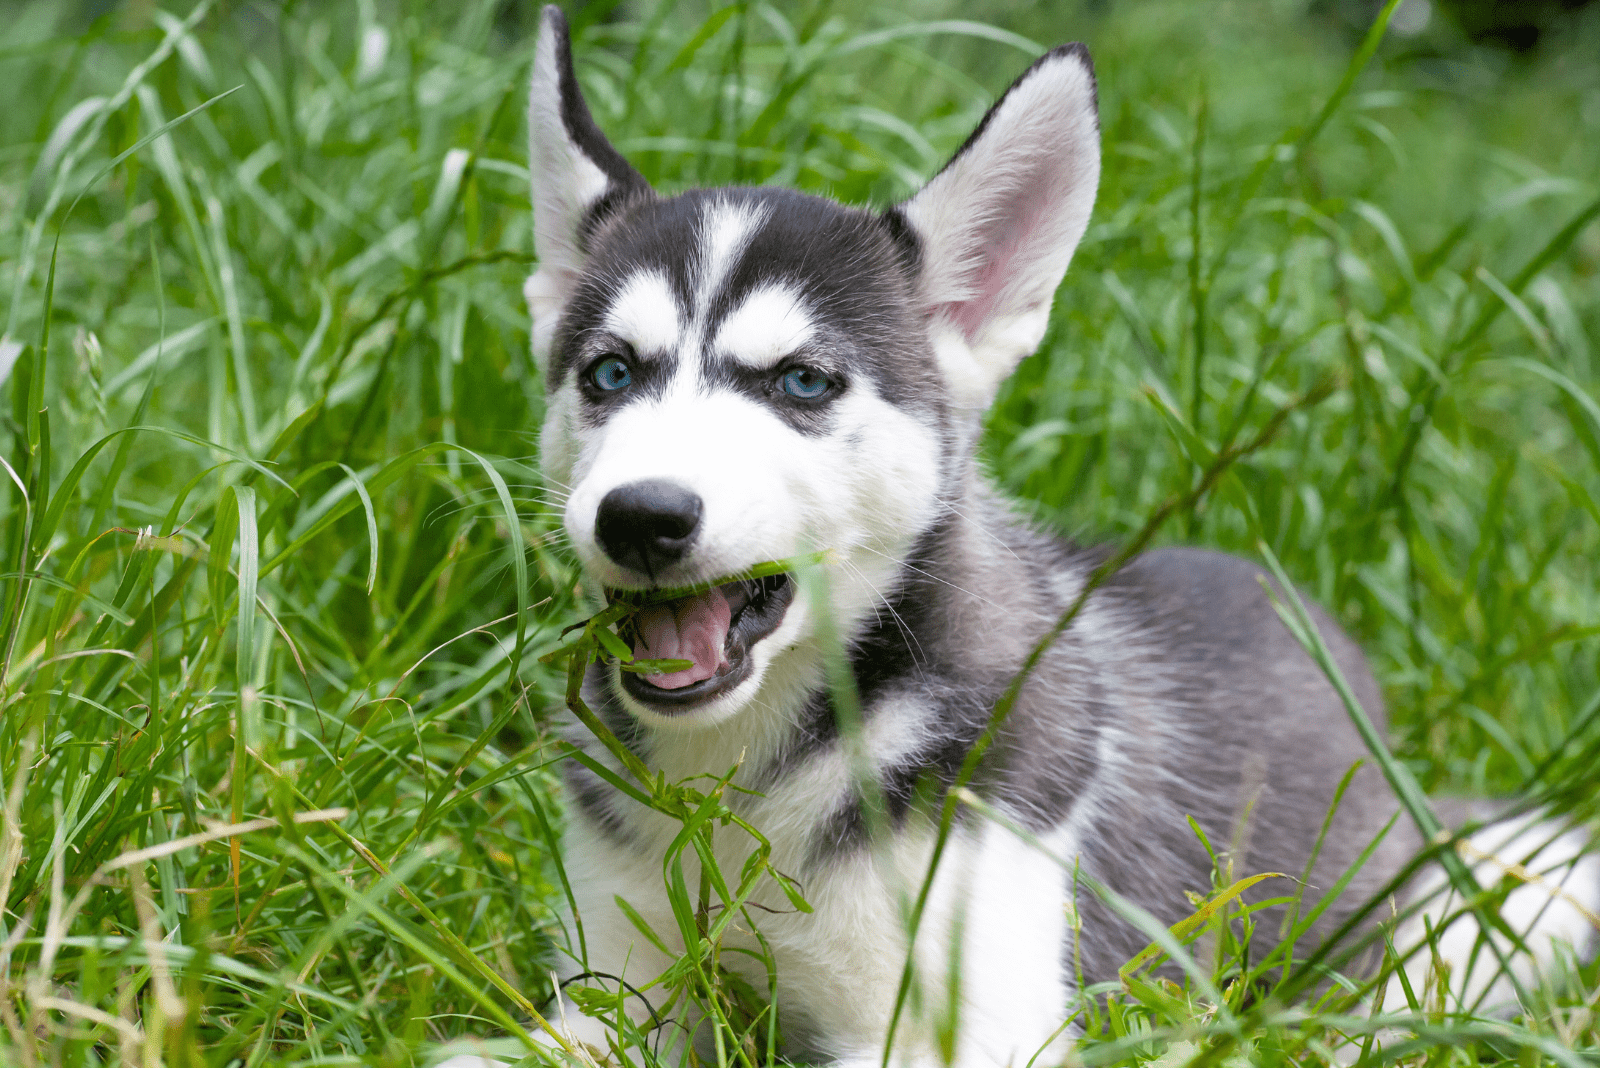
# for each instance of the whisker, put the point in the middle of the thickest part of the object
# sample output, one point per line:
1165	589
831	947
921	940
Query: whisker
928	574
981	527
900	622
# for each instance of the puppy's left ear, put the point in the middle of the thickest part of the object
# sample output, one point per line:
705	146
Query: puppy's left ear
997	226
578	178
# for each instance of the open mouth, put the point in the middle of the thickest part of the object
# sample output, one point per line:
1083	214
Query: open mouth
715	630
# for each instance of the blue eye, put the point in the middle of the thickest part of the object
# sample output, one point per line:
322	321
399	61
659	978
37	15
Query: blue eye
611	374
805	383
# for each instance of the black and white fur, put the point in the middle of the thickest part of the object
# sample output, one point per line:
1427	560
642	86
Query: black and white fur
1176	693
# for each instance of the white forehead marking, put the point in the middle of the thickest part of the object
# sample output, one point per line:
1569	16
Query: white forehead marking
725	229
645	314
767	325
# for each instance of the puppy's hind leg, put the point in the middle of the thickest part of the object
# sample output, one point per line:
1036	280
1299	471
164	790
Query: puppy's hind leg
1554	906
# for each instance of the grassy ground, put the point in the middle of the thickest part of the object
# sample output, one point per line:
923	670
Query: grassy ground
306	298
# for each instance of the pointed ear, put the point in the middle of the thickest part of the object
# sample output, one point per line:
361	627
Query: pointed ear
578	178
997	226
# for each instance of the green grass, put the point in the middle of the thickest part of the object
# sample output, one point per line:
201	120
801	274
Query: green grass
307	296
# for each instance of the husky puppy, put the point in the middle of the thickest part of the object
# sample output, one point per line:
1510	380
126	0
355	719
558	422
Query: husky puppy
748	374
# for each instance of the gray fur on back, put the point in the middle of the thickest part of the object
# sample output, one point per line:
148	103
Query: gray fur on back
1256	742
1177	693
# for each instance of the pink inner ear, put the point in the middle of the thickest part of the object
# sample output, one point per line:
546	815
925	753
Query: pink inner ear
1003	261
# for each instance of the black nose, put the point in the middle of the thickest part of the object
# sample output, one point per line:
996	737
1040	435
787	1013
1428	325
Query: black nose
648	524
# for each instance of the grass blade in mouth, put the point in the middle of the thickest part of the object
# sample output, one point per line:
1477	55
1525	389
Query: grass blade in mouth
661	595
656	667
604	633
623	605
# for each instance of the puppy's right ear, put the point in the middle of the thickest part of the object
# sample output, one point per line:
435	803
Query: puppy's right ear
578	178
996	227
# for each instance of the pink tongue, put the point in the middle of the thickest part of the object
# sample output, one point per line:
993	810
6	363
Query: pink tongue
694	628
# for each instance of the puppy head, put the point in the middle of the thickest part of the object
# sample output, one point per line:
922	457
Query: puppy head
742	375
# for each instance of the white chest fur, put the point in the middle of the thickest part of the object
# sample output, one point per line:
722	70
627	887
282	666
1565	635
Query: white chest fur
990	947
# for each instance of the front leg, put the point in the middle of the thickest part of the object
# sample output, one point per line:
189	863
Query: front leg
992	981
1008	910
611	950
